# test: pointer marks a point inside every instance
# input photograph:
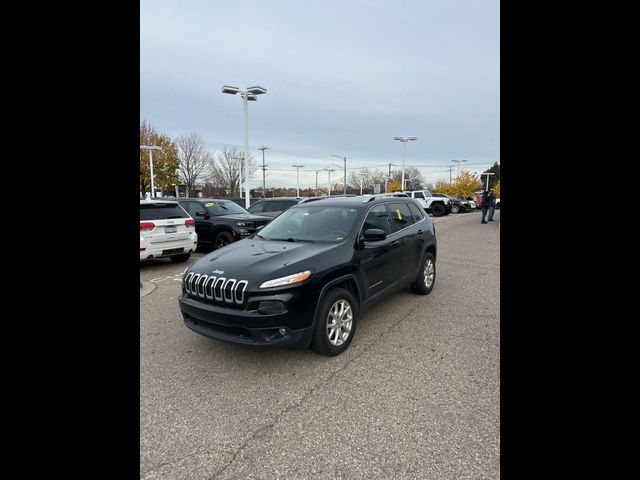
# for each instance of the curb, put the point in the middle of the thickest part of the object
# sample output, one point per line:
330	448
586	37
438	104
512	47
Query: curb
146	288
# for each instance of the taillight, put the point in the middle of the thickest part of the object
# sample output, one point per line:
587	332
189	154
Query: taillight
143	249
190	223
144	226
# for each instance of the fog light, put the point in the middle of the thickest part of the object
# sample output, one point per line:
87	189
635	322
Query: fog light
282	331
271	307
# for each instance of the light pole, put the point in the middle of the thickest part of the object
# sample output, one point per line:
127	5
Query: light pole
264	168
298	167
386	180
150	149
330	170
487	174
458	162
248	95
404	140
361	177
345	172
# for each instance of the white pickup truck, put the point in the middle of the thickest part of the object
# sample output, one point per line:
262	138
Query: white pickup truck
436	205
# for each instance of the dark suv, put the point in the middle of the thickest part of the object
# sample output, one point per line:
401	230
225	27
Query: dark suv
305	278
221	222
272	207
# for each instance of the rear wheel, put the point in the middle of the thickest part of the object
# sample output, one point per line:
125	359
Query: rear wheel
180	258
223	239
427	276
336	323
438	209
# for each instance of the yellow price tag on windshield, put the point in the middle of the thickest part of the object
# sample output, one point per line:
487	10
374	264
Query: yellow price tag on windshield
209	204
399	214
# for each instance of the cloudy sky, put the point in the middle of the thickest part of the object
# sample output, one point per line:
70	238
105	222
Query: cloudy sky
343	78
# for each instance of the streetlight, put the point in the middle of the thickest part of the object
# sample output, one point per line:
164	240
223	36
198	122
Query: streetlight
386	180
487	174
150	149
404	140
298	167
361	176
458	162
345	172
248	95
264	169
330	170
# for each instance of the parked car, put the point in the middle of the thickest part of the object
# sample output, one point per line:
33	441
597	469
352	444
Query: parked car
472	202
272	207
458	204
166	231
307	276
221	222
436	205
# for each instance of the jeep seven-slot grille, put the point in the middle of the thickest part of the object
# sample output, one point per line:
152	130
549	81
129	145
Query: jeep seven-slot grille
215	289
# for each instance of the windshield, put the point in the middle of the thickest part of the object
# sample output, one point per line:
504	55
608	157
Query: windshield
312	224
223	208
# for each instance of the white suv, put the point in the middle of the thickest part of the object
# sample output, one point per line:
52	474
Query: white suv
438	206
166	230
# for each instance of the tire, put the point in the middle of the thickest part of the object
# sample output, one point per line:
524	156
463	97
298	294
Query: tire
332	301
455	209
223	239
427	276
438	209
180	258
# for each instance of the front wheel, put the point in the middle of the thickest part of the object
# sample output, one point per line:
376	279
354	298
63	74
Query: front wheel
336	324
223	239
455	209
427	276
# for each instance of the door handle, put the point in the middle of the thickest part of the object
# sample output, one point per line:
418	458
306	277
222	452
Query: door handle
420	232
395	243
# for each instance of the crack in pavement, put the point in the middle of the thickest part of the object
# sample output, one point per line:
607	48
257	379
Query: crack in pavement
265	428
164	464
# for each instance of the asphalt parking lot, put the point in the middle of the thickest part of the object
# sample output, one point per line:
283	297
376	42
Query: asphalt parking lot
415	396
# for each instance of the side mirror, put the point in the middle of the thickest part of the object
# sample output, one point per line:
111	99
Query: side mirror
202	214
373	235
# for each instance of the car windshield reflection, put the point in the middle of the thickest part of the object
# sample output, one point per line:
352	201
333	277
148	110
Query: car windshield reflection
311	224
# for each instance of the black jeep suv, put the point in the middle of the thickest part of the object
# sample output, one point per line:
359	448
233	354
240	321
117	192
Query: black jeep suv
221	222
305	278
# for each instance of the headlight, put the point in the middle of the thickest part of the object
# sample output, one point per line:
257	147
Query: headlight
288	280
241	224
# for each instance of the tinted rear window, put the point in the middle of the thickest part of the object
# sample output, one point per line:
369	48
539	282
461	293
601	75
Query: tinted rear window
161	212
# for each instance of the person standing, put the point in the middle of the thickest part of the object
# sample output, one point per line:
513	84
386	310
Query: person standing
486	198
492	204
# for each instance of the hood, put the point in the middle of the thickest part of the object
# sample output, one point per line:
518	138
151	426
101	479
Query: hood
246	217
257	260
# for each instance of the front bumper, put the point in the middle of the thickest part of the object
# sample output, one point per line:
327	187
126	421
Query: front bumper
245	327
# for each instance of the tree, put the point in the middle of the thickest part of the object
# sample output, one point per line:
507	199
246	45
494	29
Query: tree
227	168
195	160
165	162
493	179
369	179
465	184
442	187
498	190
393	186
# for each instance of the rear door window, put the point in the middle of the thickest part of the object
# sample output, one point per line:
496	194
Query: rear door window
161	211
400	216
418	195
